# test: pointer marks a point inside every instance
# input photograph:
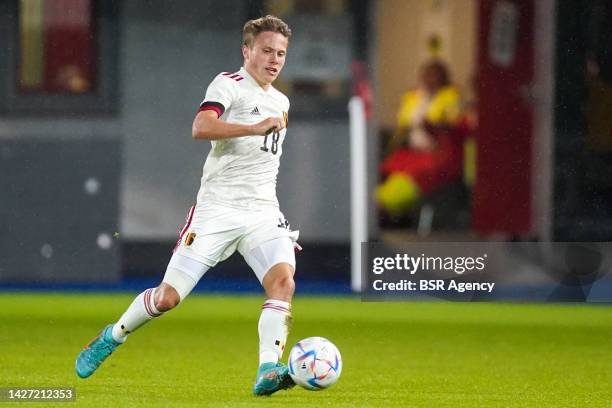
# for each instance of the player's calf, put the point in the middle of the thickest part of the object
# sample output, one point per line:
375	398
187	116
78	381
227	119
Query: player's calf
142	309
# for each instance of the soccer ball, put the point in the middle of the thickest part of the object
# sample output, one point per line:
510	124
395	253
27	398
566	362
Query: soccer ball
315	363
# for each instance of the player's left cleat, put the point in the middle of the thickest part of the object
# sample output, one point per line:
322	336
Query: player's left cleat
95	352
272	377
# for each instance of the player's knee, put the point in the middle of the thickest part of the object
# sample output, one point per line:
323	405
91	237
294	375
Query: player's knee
289	285
168	298
284	285
167	302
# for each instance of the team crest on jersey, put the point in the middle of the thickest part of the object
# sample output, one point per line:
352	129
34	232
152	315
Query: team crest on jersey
255	111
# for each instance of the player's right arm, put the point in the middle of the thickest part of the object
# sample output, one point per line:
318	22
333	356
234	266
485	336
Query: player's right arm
222	94
208	126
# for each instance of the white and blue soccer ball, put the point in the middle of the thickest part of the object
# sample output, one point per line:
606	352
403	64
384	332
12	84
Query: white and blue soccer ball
315	363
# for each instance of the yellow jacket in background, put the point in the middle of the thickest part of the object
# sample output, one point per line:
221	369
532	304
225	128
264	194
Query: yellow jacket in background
444	107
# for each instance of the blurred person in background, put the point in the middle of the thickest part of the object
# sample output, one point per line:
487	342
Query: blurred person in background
426	149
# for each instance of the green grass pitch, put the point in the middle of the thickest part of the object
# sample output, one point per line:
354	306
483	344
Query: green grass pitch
204	353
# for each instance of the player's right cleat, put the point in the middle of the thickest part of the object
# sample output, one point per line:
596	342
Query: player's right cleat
272	377
95	352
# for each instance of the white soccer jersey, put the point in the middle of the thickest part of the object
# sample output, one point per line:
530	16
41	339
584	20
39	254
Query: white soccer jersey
241	172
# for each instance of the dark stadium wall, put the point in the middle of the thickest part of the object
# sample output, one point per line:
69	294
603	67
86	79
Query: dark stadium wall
583	125
168	53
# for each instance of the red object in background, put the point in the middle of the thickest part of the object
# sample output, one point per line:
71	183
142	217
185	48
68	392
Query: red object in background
361	86
69	45
431	170
502	195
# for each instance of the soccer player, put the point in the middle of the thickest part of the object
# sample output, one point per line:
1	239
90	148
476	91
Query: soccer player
245	118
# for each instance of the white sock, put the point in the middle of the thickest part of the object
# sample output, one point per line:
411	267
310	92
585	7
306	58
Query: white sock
274	325
140	312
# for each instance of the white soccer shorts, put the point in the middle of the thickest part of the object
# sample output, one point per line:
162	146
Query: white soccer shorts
214	233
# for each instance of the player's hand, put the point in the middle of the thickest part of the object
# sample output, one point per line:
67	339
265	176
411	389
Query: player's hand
268	125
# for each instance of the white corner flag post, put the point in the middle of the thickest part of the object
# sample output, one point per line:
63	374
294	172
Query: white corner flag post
359	187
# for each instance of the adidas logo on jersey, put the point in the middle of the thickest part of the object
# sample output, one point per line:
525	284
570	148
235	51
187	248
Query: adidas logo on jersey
255	111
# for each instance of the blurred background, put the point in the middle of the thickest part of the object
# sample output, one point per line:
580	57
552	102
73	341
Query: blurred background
484	120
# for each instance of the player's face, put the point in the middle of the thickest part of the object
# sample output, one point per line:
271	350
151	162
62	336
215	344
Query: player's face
265	60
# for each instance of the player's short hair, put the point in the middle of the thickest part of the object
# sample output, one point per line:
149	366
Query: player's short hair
267	23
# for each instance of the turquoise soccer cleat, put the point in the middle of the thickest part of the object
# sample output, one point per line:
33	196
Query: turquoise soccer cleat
95	352
272	377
